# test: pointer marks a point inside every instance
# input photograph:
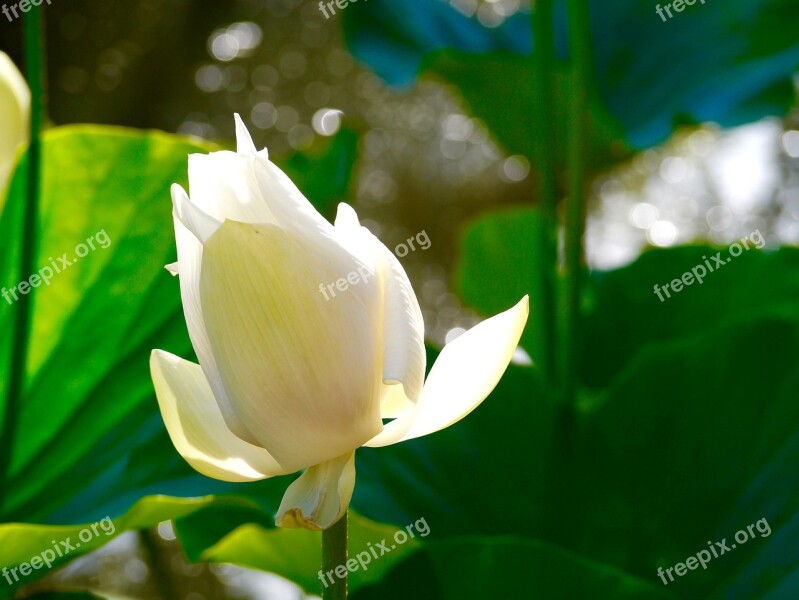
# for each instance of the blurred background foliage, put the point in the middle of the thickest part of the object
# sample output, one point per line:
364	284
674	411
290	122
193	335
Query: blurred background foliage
427	116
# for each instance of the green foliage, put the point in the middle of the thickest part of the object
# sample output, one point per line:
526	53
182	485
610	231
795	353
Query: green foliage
751	285
503	248
486	79
94	325
741	61
688	430
19	542
506	567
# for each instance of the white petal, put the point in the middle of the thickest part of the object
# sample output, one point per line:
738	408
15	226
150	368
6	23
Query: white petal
394	402
173	268
347	219
196	427
301	371
466	372
246	186
404	356
290	208
190	252
202	225
320	497
223	185
244	143
15	103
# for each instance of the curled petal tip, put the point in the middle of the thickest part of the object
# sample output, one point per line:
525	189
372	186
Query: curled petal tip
295	519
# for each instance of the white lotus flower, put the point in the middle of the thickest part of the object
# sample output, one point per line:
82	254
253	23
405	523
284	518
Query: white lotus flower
287	379
15	106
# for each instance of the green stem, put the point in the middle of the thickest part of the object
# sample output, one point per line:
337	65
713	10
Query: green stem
544	60
334	554
35	68
580	58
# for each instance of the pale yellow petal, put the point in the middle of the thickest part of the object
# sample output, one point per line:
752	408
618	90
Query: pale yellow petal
196	427
320	497
15	103
190	252
466	372
300	362
404	357
394	402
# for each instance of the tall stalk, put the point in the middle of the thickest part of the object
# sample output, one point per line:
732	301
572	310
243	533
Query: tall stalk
35	72
543	62
580	63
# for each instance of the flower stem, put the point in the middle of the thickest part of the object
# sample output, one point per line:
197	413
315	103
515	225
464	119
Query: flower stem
334	554
34	69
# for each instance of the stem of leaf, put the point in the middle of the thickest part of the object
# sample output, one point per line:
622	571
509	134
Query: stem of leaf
544	60
35	68
334	554
580	59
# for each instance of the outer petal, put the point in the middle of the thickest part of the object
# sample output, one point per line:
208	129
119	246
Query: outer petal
15	103
404	356
196	425
320	497
466	372
302	371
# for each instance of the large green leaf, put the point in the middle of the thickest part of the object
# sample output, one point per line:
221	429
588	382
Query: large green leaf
505	567
94	325
626	314
696	440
